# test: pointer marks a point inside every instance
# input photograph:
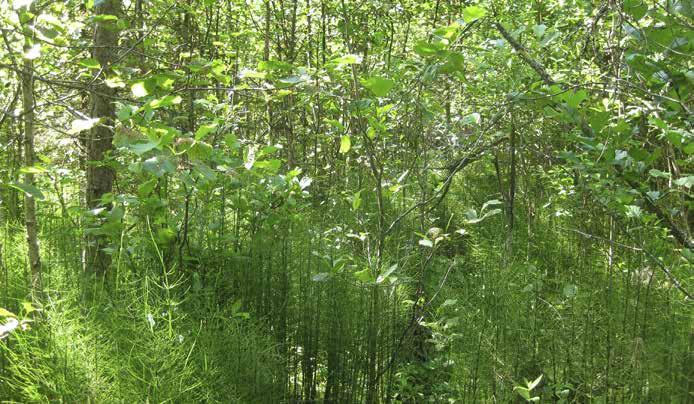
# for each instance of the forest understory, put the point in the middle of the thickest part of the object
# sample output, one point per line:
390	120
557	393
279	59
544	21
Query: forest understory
346	201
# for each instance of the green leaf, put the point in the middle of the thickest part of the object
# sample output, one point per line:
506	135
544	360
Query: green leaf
35	169
686	182
29	308
115	82
101	18
346	60
28	189
356	201
549	37
534	383
272	165
252	74
90	63
124	111
231	141
378	85
473	118
142	148
345	144
382	277
364	275
473	13
636	8
146	187
426	49
539	30
523	391
6	313
139	90
658	174
574	99
165	101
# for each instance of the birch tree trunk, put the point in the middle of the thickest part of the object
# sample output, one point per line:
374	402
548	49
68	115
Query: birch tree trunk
31	223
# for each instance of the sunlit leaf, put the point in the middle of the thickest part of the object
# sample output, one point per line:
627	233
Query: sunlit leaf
139	90
472	13
345	144
28	189
90	63
378	85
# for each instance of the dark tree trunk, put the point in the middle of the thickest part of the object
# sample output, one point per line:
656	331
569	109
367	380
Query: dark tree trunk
99	175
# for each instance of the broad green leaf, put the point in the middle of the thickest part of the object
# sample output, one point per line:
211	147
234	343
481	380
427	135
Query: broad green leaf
29	308
345	144
523	391
539	30
658	174
142	148
90	63
382	277
549	37
28	189
534	383
35	169
473	118
205	130
6	313
101	18
426	49
267	150
165	101
139	90
356	201
364	275
115	82
231	141
378	85
636	8
272	165
574	98
124	112
472	13
252	74
686	182
346	60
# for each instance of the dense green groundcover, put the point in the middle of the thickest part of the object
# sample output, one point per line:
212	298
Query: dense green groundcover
346	201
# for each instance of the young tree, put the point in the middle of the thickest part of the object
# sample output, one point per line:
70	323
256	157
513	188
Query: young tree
100	175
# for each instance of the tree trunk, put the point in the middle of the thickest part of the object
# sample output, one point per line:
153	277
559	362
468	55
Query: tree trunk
99	175
27	78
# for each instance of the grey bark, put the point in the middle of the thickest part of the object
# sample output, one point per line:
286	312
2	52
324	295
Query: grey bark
99	175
